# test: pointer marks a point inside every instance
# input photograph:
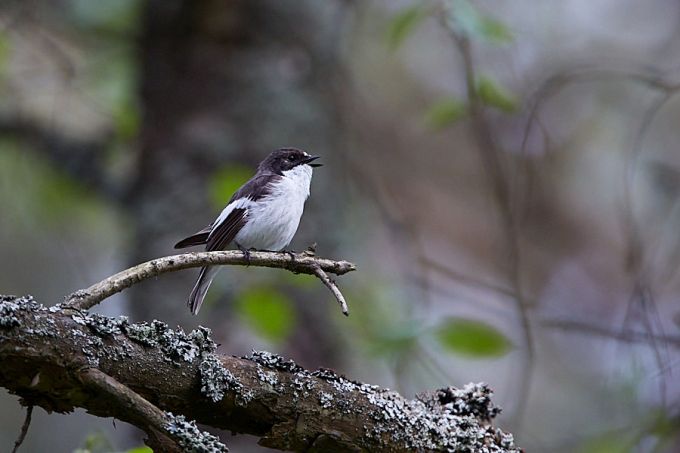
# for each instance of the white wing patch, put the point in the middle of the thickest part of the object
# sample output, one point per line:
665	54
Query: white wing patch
240	203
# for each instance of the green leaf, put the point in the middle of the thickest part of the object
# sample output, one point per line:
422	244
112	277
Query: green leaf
225	182
609	443
466	19
495	30
471	338
495	95
140	450
267	312
444	113
96	443
403	24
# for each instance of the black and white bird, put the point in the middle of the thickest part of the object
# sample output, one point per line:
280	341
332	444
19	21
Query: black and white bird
263	214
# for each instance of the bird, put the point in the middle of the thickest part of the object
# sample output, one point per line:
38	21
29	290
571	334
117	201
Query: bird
263	214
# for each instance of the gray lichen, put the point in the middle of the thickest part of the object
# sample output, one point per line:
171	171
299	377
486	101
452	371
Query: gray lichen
452	420
11	306
102	325
190	438
302	384
473	399
216	380
244	397
449	419
267	377
92	350
143	333
176	345
273	361
7	316
326	400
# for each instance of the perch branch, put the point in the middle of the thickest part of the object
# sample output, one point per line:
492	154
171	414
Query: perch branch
300	263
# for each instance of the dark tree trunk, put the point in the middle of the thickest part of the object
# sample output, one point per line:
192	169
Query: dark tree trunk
226	82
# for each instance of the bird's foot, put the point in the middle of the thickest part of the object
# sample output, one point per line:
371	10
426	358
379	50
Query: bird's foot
246	253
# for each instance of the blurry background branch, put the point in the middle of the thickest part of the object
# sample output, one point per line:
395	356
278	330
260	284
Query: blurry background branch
626	336
481	93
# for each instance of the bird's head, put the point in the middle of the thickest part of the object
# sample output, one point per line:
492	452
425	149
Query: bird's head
284	159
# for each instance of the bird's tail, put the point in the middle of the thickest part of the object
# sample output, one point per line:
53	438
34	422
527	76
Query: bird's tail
205	278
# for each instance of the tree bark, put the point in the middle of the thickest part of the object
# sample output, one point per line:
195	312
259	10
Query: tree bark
60	359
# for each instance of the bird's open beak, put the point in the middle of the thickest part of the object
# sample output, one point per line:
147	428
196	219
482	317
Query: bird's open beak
310	159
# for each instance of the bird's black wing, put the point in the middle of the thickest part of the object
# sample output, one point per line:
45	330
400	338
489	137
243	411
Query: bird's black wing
256	188
226	231
198	238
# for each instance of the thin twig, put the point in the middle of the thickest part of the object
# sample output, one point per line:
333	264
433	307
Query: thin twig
300	263
135	404
323	276
636	263
451	273
140	411
24	429
628	336
496	173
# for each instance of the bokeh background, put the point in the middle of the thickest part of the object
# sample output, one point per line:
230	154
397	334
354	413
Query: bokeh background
506	175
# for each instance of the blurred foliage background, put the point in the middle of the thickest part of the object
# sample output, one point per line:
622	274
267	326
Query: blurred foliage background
505	174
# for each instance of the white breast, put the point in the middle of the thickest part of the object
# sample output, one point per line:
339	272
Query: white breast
274	219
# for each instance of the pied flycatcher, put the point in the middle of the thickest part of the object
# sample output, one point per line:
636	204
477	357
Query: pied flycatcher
263	214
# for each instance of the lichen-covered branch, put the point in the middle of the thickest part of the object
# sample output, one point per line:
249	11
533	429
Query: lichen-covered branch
299	263
46	352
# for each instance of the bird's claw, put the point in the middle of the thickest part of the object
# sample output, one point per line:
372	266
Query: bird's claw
246	253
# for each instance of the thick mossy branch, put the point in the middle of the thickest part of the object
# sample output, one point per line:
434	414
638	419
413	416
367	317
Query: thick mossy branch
299	263
47	353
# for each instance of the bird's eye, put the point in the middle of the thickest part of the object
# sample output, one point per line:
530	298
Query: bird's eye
291	158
